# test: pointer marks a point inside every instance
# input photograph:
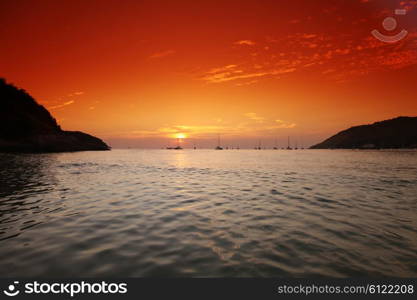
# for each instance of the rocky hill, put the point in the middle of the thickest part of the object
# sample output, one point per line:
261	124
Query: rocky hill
26	126
396	133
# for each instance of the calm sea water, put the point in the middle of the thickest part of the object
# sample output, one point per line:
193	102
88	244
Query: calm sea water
209	213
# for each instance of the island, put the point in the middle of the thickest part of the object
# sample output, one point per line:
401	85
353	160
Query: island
400	132
28	127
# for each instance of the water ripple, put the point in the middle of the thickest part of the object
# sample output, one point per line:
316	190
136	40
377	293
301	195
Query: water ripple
207	213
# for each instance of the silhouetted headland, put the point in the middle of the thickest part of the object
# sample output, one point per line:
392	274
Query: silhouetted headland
396	133
26	126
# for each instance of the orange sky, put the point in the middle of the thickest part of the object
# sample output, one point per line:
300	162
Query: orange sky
136	73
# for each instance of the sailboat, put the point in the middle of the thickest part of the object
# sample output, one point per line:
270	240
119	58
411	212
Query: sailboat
218	143
289	148
276	145
178	147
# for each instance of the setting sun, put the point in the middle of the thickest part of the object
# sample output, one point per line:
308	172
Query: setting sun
180	136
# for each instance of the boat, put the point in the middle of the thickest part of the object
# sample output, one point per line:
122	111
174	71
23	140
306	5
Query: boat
178	147
218	143
276	145
288	147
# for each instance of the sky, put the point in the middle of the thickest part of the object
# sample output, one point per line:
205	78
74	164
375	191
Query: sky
142	73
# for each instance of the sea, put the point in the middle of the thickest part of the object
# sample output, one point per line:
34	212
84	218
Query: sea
208	213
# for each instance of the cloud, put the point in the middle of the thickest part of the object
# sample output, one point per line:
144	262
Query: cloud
337	58
228	76
62	105
254	117
75	94
247	83
254	127
245	42
231	72
221	69
309	36
171	131
162	54
282	124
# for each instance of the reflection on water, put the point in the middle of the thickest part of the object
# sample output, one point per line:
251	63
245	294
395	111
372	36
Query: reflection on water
23	182
209	213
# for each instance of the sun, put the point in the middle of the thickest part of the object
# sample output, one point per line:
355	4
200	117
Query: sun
180	136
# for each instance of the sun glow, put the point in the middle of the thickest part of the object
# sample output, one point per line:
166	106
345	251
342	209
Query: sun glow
180	136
